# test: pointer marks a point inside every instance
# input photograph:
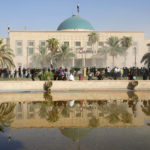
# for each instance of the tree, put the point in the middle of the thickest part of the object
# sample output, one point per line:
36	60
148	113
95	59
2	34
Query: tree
93	122
53	46
53	115
93	39
103	52
6	115
146	59
113	47
146	110
64	54
41	59
118	113
6	56
126	43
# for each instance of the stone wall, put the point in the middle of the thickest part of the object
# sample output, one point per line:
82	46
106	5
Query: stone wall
71	85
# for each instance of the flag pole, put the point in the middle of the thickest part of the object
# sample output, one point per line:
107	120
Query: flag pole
78	8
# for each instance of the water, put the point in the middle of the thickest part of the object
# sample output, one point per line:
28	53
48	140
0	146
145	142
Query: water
75	121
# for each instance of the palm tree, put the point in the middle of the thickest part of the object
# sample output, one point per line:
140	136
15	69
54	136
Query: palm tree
146	59
93	39
53	46
6	115
45	105
126	43
126	117
146	110
66	112
64	54
104	51
148	45
93	122
118	113
53	115
6	56
42	58
113	47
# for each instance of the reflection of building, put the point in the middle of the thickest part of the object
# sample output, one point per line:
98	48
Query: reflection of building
28	114
74	32
28	97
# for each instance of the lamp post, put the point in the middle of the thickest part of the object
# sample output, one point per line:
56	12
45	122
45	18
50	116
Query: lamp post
83	60
27	55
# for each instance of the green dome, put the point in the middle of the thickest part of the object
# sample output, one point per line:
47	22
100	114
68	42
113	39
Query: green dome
76	133
75	23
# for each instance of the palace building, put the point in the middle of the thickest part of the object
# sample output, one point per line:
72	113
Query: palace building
74	32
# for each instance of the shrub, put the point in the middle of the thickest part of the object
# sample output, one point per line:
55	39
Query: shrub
47	75
76	69
100	69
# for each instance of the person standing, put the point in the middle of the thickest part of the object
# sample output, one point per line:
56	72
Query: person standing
19	71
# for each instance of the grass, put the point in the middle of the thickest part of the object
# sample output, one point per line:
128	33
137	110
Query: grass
76	78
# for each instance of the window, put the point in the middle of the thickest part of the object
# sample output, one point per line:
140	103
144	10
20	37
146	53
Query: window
66	43
19	51
19	43
30	51
19	107
30	48
42	43
30	109
89	44
100	44
30	43
19	114
19	48
89	50
78	44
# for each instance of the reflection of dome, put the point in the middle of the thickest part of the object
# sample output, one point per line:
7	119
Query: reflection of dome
75	23
75	133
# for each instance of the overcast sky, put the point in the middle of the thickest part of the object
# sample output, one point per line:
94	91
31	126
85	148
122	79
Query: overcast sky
104	15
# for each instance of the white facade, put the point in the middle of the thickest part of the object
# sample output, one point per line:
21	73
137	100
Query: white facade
26	43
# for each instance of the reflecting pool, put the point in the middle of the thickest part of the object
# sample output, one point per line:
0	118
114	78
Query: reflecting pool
75	121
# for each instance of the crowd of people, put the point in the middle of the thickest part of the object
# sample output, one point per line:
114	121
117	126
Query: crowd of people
118	73
69	74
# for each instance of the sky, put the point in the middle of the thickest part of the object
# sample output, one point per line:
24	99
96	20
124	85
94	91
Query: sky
104	15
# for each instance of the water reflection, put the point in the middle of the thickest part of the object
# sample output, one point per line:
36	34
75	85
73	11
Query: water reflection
146	107
6	115
75	120
75	113
75	134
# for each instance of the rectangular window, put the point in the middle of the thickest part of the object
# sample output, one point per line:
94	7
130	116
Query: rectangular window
19	51
42	43
19	48
89	44
66	43
18	43
78	44
89	50
31	51
30	43
100	44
